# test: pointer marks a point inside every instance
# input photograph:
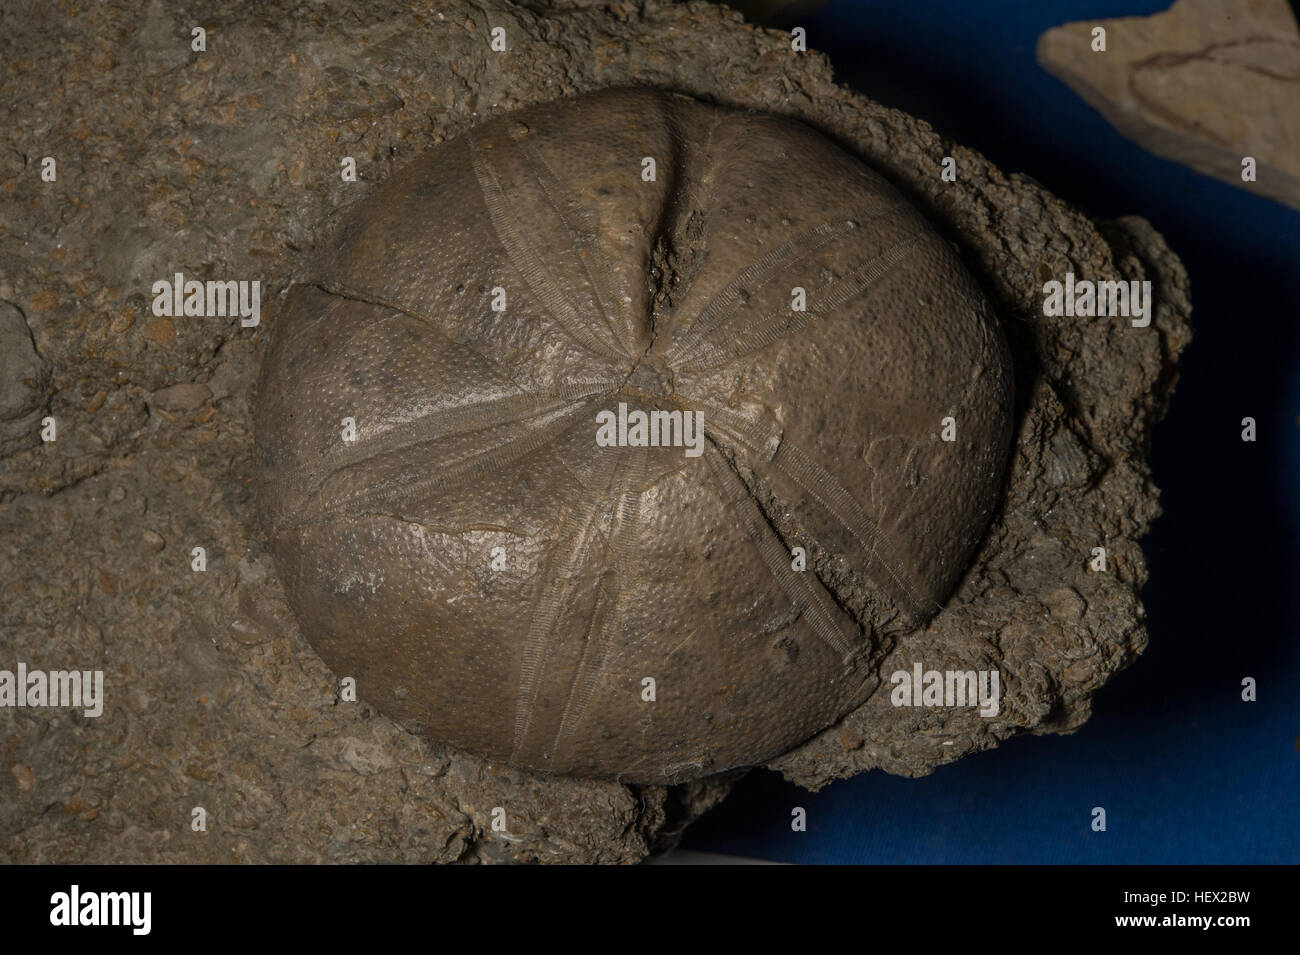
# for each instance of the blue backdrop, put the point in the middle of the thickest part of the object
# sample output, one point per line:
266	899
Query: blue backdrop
1188	773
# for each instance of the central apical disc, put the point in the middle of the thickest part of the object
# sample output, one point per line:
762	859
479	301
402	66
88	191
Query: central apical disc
608	438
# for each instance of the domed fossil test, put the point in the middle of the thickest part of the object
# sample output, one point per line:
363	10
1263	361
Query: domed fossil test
647	456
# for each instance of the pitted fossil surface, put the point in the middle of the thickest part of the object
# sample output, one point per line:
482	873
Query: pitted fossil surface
498	578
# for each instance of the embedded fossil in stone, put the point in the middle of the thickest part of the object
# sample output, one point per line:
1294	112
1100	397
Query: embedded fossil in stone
503	581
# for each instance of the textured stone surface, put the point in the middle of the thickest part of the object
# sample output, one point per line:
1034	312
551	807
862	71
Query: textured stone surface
1205	83
23	382
476	437
219	165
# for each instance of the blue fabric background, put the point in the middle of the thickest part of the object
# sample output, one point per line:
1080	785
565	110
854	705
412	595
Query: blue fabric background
1187	772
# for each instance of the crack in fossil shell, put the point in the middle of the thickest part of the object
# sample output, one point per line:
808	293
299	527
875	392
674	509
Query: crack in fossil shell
775	454
809	601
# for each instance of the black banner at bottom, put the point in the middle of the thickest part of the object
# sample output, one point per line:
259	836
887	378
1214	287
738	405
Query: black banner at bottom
128	904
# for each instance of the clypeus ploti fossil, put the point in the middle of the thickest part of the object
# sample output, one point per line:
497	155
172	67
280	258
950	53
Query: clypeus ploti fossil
620	435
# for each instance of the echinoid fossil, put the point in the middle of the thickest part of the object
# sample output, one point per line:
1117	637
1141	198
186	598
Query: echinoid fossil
618	436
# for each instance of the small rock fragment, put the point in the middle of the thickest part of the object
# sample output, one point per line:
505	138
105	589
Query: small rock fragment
362	756
1207	83
185	397
23	776
251	625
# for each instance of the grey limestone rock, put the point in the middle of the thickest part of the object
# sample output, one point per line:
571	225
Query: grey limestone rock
224	164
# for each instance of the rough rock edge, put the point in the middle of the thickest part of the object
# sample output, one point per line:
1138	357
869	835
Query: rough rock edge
1169	119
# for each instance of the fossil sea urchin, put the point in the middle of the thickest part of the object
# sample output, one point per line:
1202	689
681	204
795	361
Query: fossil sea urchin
614	437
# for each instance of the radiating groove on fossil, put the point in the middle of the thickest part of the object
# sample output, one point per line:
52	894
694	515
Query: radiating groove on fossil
447	475
735	428
828	492
773	327
803	590
435	426
779	323
514	239
610	609
723	305
699	200
579	223
577	527
702	197
835	294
